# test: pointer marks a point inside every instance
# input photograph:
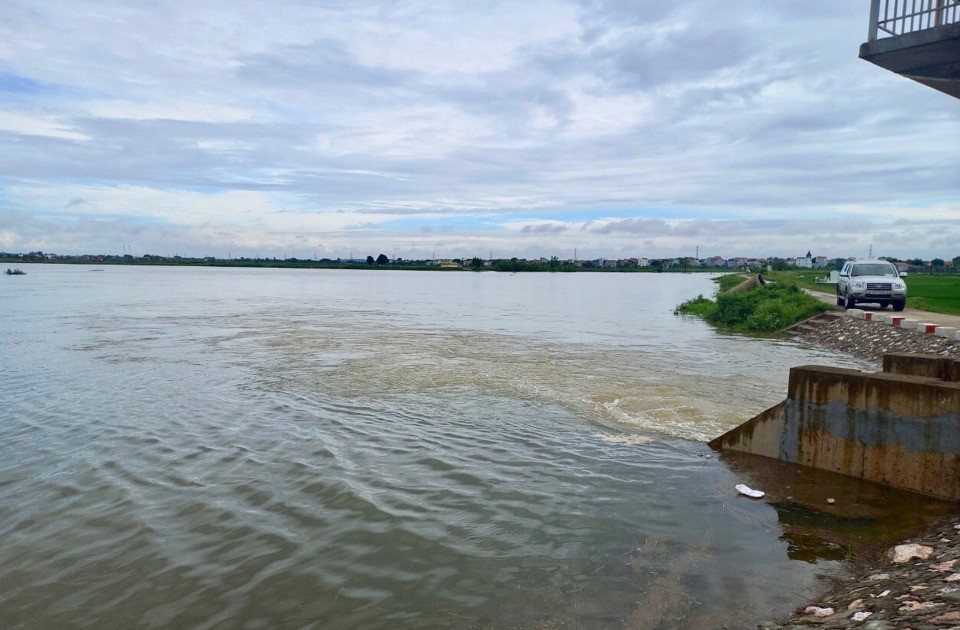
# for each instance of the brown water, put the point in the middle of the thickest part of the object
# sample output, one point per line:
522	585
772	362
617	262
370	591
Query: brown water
216	448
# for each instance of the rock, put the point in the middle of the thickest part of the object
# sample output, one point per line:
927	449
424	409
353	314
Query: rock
905	553
878	576
915	606
855	604
831	501
952	578
861	616
871	339
943	566
945	617
817	611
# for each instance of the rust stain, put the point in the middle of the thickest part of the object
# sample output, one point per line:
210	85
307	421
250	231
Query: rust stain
912	389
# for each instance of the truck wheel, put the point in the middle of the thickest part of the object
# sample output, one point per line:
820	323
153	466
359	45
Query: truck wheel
849	302
899	305
839	298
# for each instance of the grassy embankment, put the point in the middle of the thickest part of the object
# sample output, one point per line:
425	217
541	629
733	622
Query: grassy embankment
935	293
764	309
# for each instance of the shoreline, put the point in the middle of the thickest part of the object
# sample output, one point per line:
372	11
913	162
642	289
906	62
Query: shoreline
883	592
915	584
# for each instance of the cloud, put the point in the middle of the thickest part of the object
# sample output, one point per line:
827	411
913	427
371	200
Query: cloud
28	125
544	228
535	127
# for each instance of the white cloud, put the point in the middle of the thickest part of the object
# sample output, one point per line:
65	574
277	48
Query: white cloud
27	125
8	238
183	111
499	124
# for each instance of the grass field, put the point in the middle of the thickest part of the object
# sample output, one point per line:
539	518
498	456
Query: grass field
934	293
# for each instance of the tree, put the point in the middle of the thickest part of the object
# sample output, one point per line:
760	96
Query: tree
369	260
476	263
937	262
382	259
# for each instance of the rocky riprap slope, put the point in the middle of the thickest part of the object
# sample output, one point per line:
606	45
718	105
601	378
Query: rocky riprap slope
917	586
870	339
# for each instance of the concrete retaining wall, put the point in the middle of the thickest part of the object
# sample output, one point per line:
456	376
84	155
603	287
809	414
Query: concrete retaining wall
900	427
926	365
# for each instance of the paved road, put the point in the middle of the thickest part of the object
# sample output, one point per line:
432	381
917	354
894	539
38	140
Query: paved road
909	313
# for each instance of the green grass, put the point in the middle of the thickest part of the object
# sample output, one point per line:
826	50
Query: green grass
764	309
804	278
937	294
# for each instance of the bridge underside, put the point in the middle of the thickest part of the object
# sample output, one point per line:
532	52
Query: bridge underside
930	57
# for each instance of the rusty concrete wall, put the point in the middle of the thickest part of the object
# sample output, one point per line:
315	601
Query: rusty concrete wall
896	429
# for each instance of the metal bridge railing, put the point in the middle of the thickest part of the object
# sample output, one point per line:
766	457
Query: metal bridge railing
899	17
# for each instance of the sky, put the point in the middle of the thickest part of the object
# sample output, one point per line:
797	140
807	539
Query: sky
609	128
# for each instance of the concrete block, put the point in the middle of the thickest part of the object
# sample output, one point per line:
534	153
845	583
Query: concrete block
894	320
870	316
927	328
946	331
856	313
908	324
898	428
925	365
957	336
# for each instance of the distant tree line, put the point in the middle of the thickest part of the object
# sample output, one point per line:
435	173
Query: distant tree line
937	265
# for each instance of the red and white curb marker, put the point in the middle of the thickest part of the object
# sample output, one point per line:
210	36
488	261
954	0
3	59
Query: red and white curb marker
927	328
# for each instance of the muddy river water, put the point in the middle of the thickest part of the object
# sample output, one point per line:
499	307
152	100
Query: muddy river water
257	448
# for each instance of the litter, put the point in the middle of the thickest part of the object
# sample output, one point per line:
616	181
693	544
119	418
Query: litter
750	492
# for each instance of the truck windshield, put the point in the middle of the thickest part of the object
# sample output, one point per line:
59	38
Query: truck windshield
874	270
